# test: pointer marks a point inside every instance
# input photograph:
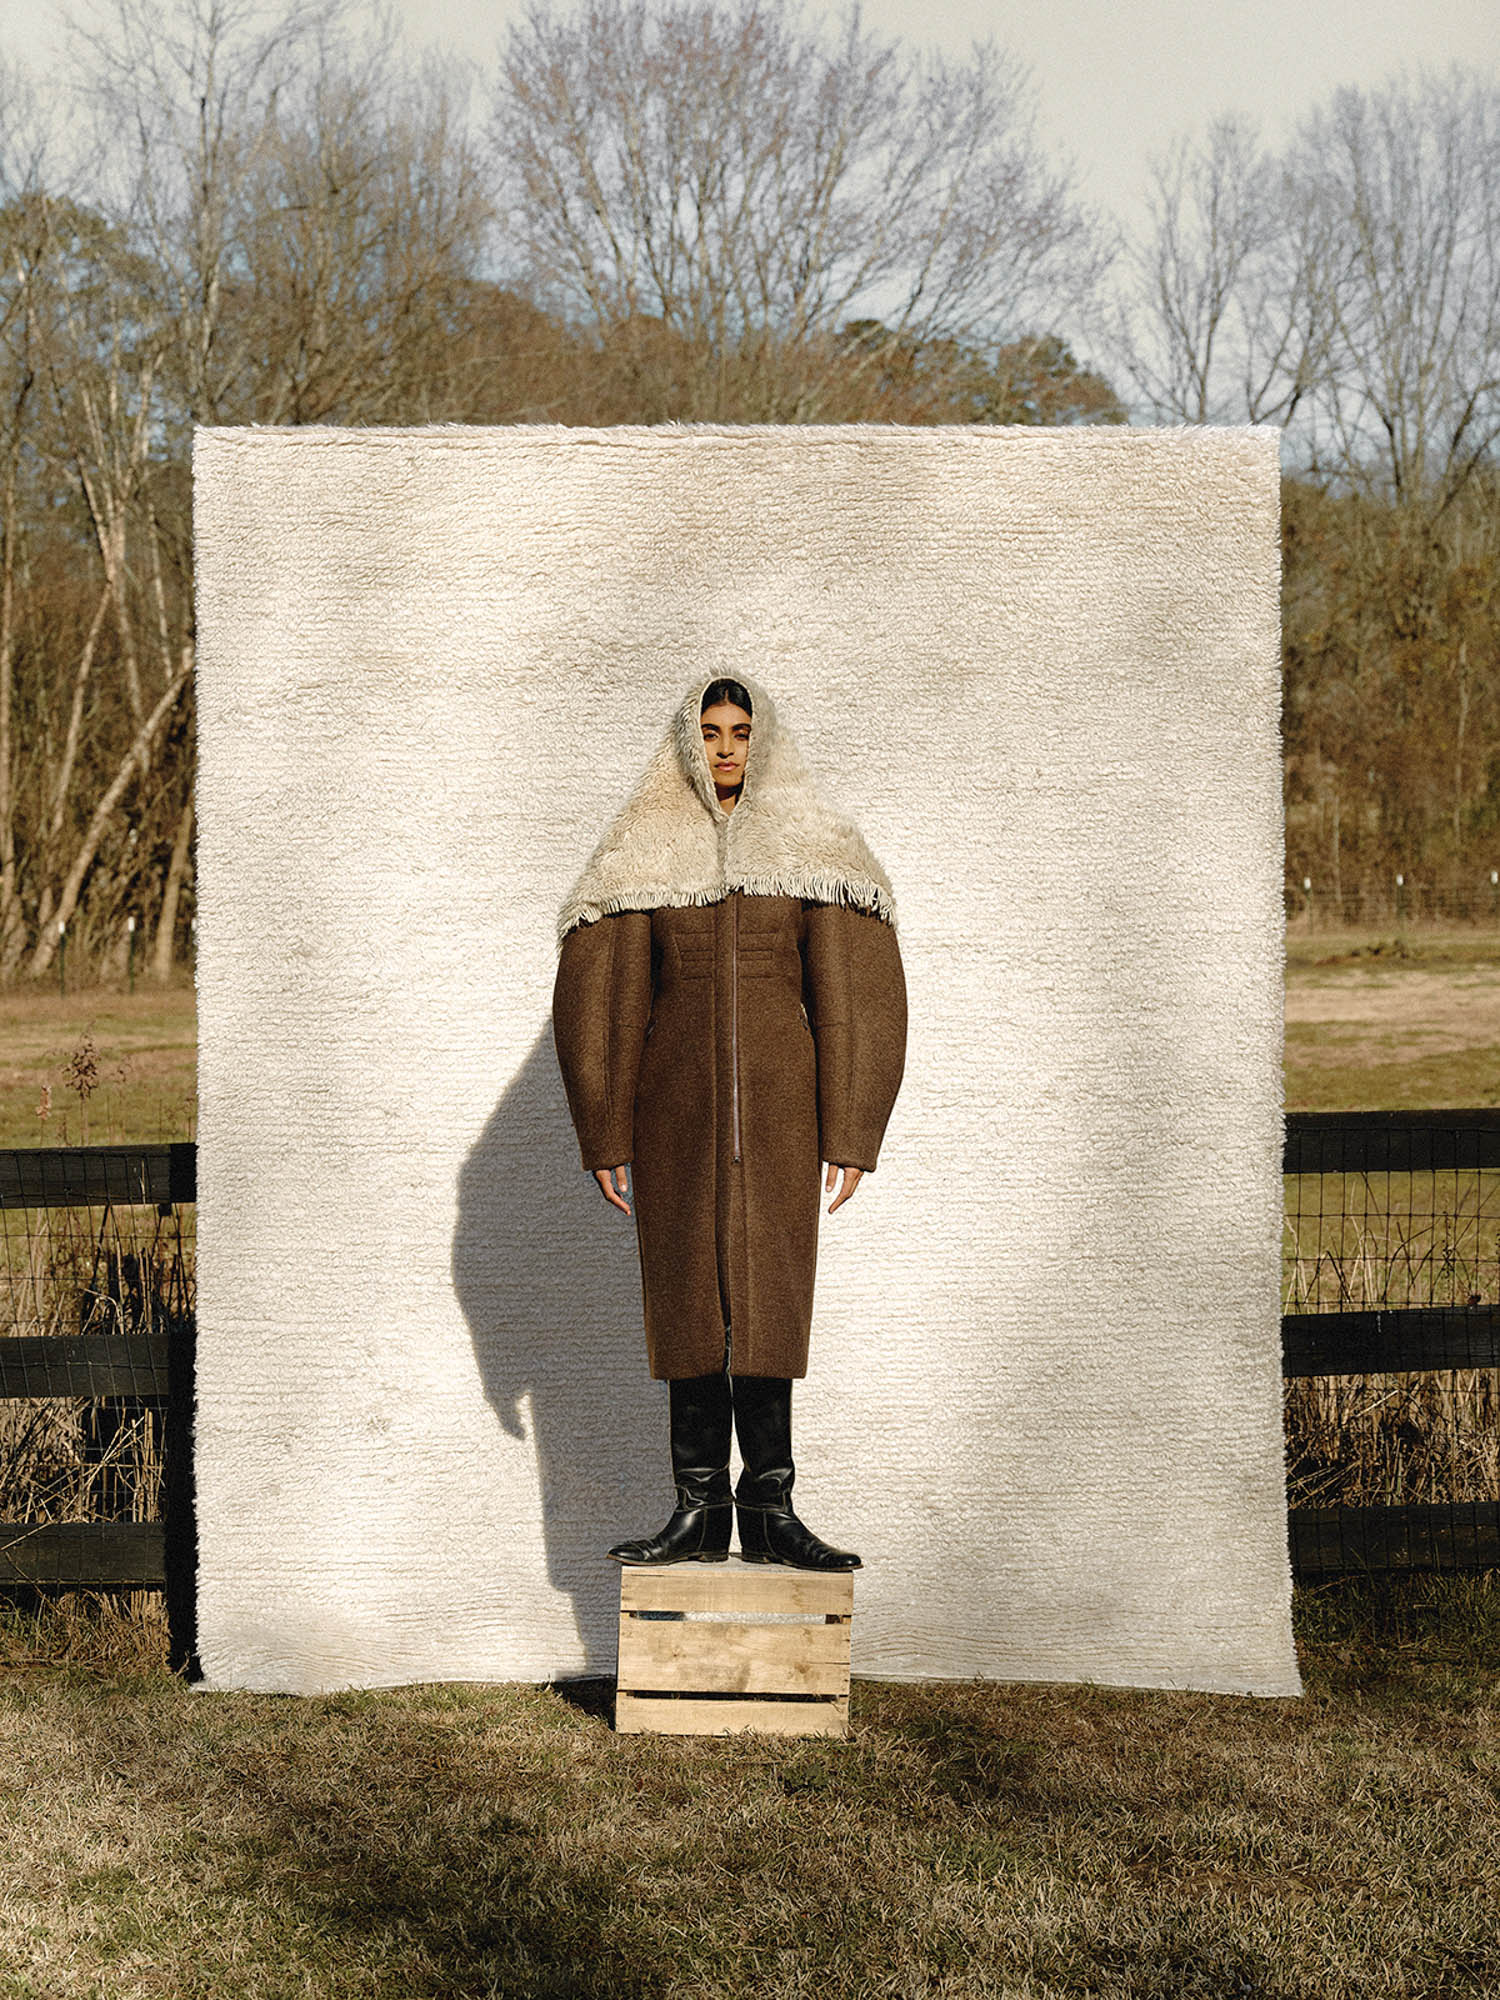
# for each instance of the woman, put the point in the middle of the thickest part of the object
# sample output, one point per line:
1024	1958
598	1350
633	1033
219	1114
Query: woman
729	1010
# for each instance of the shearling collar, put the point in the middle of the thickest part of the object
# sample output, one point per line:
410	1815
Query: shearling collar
672	843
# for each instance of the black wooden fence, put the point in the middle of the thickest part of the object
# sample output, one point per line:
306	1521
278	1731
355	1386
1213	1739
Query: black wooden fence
151	1371
130	1362
1354	1163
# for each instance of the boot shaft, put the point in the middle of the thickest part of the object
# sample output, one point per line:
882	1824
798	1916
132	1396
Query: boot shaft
701	1424
763	1422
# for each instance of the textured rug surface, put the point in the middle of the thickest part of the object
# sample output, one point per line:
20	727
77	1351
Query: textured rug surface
1040	668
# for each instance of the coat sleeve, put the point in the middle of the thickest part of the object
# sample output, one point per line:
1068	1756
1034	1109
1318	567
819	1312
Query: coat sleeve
856	988
601	1004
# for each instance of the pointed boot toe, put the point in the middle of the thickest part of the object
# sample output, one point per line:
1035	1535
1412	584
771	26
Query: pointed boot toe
677	1542
772	1534
697	1532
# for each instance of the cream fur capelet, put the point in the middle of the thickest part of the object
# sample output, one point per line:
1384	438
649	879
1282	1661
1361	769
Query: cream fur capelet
673	843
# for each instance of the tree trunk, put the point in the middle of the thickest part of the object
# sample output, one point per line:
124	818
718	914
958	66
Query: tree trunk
166	923
1458	749
135	760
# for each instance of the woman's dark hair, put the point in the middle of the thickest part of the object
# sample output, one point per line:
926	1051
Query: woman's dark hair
718	691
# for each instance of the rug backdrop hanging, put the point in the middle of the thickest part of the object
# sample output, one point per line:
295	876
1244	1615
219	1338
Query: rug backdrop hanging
1041	669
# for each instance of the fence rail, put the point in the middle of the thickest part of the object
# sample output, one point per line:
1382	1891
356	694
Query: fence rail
83	1555
88	1176
155	1370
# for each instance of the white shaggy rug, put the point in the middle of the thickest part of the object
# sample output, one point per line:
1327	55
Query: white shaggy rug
1040	668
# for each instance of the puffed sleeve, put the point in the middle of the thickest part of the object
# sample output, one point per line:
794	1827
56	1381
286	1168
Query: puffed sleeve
856	988
601	1004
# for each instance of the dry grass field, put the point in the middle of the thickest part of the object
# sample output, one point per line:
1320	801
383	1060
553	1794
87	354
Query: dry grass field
976	1841
1409	1022
1401	1021
1385	1022
141	1047
968	1841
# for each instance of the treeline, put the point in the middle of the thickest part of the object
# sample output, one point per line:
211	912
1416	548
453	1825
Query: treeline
660	209
1391	703
1348	288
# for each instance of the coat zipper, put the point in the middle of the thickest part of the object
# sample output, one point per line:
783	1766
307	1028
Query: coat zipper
734	1060
734	1018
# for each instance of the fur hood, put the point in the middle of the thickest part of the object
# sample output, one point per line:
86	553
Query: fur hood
673	843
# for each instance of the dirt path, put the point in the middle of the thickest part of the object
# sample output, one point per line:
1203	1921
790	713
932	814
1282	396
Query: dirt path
1346	1017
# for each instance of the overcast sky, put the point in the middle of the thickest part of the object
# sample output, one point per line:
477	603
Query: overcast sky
1116	77
1113	77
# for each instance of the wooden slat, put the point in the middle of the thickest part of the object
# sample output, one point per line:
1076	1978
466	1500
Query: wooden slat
1331	1541
669	1717
83	1555
1396	1142
698	1656
735	1586
79	1176
1383	1343
93	1365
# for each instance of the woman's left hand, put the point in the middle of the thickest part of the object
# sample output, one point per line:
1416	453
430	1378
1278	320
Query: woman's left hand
852	1178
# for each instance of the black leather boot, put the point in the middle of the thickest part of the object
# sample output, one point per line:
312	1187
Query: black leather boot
769	1531
701	1416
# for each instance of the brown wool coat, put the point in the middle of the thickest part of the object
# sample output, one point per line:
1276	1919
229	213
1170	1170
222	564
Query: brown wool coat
726	1035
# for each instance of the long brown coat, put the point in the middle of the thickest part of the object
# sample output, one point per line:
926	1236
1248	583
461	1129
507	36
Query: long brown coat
729	1011
725	1049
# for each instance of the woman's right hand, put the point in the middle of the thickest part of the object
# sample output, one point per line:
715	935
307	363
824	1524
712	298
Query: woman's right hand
603	1176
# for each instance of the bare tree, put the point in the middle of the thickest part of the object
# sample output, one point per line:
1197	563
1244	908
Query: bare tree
1347	289
306	205
748	185
363	220
17	175
1215	319
1405	182
181	99
286	222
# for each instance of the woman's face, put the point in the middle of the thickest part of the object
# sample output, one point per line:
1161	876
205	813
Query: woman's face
726	744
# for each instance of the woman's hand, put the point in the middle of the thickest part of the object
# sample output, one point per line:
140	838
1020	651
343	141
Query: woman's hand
612	1178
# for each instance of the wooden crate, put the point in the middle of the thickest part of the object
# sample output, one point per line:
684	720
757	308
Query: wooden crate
713	1649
